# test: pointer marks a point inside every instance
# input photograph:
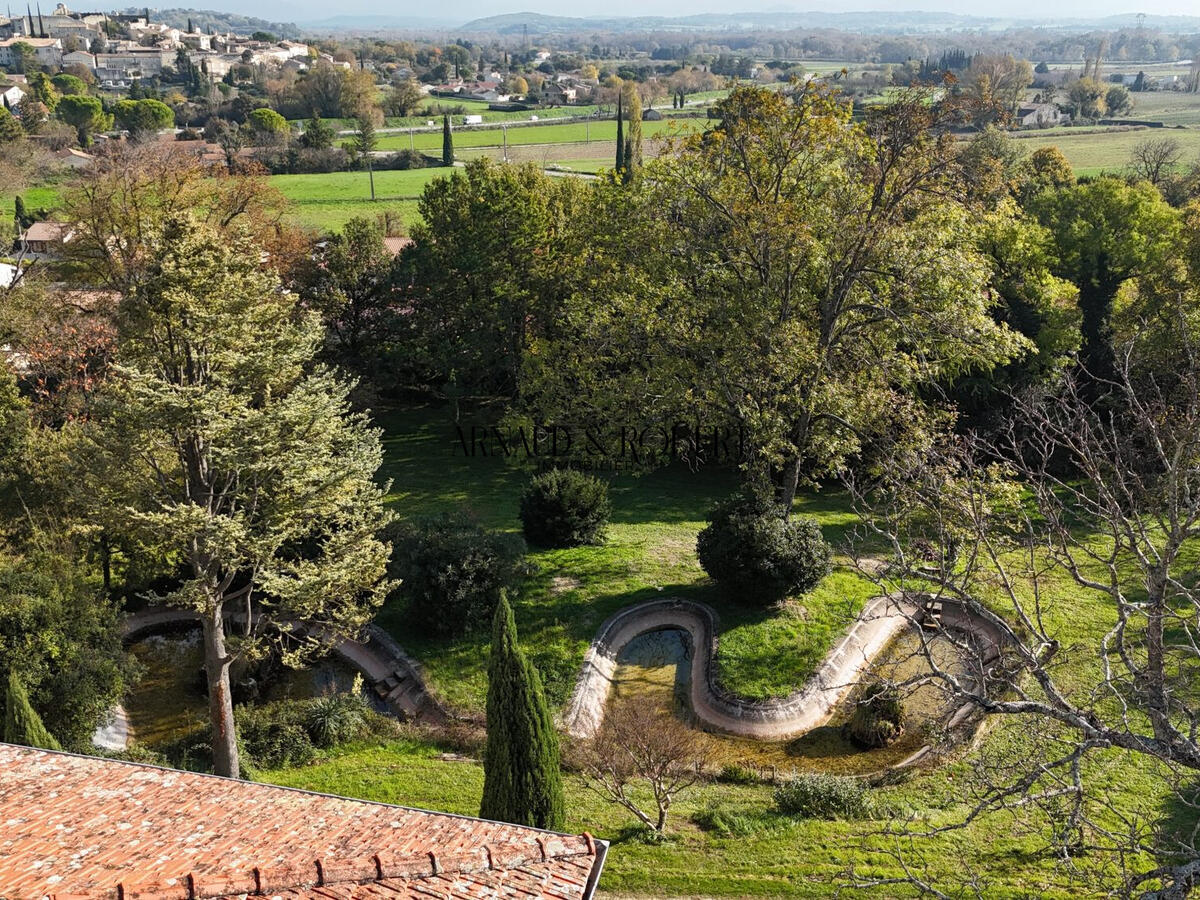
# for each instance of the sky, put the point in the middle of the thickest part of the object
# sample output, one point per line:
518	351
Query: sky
458	11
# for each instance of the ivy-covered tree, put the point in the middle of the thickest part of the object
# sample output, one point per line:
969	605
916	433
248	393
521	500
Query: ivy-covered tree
522	781
22	724
219	444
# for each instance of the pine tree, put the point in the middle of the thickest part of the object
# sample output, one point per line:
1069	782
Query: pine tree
447	143
522	779
22	724
620	167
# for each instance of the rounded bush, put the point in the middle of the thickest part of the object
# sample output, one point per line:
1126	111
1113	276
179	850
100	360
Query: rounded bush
451	572
335	718
750	549
877	720
564	508
823	797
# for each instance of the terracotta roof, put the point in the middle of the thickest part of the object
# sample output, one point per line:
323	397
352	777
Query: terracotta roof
45	231
82	828
394	245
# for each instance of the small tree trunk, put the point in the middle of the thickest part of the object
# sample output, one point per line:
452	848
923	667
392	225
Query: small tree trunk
220	698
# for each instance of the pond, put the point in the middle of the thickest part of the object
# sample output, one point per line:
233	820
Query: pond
169	700
655	668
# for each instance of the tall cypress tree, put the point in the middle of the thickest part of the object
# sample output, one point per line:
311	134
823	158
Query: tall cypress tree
22	724
447	143
522	781
620	140
633	140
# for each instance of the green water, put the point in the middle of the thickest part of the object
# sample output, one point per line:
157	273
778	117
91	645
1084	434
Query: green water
656	668
168	699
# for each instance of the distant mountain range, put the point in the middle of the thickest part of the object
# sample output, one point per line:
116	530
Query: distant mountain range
540	25
878	22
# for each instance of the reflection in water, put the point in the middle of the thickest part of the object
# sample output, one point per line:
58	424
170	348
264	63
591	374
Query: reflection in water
169	700
656	669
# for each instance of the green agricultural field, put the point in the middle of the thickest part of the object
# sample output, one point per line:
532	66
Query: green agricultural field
327	202
1095	152
1168	107
561	133
651	552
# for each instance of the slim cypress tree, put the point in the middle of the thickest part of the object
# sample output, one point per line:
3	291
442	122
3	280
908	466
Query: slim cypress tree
522	781
19	214
447	143
22	724
620	167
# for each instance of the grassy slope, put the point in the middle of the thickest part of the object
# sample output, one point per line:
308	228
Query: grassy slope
650	552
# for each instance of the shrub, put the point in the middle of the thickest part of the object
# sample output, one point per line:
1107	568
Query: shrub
271	738
823	797
565	508
733	773
452	570
407	159
336	718
877	719
749	548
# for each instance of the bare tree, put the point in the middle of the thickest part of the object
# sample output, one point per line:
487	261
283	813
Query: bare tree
1155	159
1105	498
637	748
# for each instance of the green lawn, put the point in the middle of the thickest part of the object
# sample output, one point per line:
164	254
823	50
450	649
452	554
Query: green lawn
650	552
327	202
48	195
766	855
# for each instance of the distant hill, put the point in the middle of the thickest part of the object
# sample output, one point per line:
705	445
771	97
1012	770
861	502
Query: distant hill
381	23
878	22
206	19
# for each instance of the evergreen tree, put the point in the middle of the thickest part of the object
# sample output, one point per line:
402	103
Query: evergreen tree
22	724
522	779
22	217
620	167
447	143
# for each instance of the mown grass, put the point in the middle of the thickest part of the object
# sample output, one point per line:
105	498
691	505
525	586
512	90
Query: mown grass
554	133
649	552
766	854
326	202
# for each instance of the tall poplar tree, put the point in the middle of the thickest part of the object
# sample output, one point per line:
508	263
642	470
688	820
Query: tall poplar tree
620	166
447	143
522	779
633	140
22	724
220	446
